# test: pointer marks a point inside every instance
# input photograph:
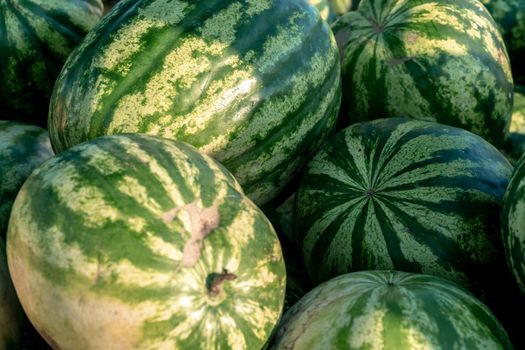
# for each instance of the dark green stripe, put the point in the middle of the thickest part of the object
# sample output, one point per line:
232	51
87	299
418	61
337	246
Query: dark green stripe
37	44
392	238
59	21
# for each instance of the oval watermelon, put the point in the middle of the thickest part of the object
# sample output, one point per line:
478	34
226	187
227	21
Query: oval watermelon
147	244
389	310
255	84
22	148
513	223
441	61
36	37
515	141
509	16
402	194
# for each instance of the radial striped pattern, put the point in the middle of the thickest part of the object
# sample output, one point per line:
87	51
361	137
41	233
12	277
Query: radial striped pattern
513	223
440	61
255	84
22	148
11	314
147	244
403	194
389	310
36	37
509	16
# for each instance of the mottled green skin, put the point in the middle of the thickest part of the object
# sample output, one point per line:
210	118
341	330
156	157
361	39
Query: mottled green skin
36	37
402	194
389	310
254	84
124	237
513	223
441	61
515	141
23	147
11	314
509	16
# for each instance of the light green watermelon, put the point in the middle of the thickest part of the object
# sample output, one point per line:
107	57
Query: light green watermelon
11	314
441	61
342	6
143	242
36	37
323	6
398	193
255	84
23	147
389	310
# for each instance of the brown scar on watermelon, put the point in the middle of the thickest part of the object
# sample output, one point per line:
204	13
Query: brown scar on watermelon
202	221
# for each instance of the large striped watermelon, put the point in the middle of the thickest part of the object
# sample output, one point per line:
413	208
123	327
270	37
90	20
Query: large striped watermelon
402	194
440	61
509	16
22	148
11	314
255	84
143	243
36	37
389	310
513	223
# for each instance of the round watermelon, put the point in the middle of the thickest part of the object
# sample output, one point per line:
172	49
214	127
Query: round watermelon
143	242
11	314
36	37
515	141
441	61
340	7
323	6
509	16
398	193
255	84
22	148
389	310
513	223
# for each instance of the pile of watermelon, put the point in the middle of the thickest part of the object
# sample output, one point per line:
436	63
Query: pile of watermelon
270	174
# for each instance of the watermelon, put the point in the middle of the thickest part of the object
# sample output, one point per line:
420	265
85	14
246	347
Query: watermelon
36	37
11	314
441	61
297	280
145	243
403	194
23	147
323	6
389	310
255	84
515	141
513	223
340	7
509	16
